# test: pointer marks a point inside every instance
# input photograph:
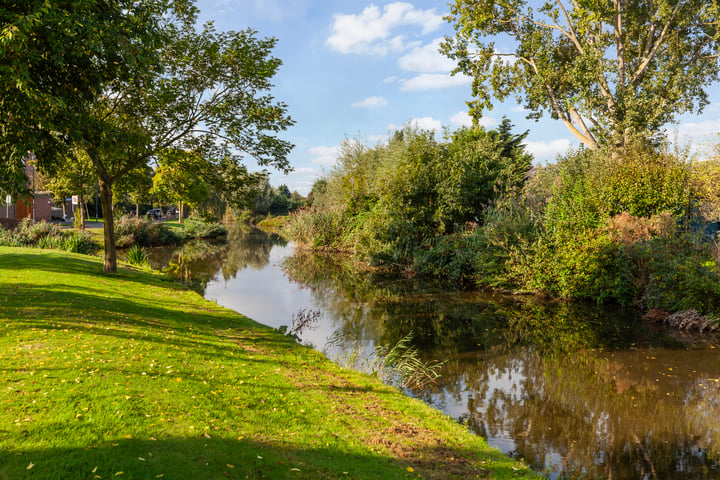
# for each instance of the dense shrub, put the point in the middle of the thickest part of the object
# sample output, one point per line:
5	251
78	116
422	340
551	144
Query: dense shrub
131	230
47	235
385	203
610	227
200	228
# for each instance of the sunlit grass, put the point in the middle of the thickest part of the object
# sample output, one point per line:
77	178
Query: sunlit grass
132	376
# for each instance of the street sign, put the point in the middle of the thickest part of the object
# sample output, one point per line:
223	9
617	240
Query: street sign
75	200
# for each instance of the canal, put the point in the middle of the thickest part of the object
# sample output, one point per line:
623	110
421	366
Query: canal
577	391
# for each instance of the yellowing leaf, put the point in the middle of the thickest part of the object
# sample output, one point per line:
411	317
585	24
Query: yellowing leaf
30	466
410	469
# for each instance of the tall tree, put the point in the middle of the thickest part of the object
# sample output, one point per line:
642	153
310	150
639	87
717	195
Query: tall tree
210	99
56	58
607	69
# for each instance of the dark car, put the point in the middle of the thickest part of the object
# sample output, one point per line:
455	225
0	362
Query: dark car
154	213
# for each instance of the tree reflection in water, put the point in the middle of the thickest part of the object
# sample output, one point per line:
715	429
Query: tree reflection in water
198	261
578	391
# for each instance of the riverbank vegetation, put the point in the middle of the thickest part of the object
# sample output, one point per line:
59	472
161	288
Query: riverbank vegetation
636	229
130	231
132	376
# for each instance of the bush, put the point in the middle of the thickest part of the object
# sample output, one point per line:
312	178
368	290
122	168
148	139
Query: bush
146	233
198	228
28	233
320	229
677	274
78	241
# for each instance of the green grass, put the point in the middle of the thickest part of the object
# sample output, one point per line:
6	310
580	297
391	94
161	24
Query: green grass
132	376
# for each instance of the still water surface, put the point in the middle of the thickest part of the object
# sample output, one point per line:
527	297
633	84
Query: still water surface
576	391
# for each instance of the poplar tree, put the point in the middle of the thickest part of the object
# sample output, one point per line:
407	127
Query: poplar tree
609	70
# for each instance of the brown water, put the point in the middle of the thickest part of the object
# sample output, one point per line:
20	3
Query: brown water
577	391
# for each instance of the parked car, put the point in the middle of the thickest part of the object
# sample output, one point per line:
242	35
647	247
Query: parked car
154	213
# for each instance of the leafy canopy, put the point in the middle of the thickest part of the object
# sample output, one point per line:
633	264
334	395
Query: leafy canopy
608	70
56	59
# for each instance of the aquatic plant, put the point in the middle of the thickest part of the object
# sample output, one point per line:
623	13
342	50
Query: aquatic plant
138	256
399	365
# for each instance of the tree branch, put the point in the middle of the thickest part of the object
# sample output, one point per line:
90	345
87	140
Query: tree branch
619	42
651	54
574	36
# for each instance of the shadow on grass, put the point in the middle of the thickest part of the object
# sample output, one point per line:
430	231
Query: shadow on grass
206	458
52	261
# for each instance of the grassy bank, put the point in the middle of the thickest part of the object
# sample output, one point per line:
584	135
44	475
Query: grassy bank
131	376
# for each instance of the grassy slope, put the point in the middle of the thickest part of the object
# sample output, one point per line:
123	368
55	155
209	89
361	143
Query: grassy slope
133	377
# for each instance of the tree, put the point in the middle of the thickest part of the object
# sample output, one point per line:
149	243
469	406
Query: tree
75	177
609	70
56	59
178	180
135	187
209	98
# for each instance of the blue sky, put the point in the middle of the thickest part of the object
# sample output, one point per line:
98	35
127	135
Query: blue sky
360	69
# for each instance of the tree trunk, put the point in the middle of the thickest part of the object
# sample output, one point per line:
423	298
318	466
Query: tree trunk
181	212
137	210
106	200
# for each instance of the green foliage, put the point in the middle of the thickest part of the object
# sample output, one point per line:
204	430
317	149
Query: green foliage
178	178
676	275
706	178
140	231
195	227
78	241
319	229
385	203
57	58
47	235
28	233
610	72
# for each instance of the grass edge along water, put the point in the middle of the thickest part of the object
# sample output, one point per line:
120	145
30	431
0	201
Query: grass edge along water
134	376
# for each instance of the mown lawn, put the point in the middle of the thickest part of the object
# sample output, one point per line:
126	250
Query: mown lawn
132	376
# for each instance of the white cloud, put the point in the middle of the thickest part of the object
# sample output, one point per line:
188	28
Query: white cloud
434	81
701	137
322	155
697	132
463	119
369	32
371	102
548	150
427	59
377	139
422	123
